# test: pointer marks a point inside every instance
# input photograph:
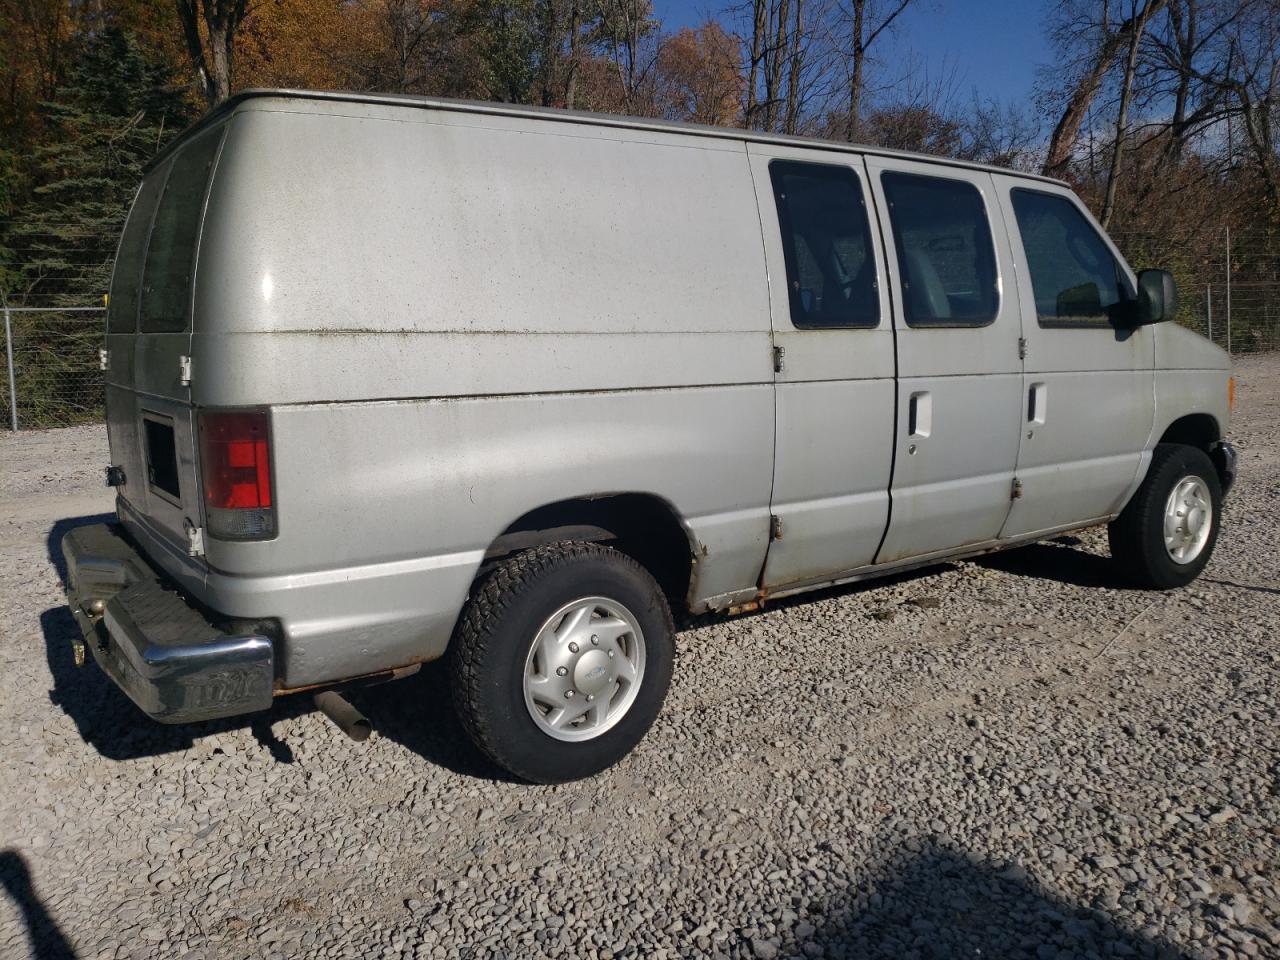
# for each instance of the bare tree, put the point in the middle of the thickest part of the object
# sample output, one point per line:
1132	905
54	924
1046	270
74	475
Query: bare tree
795	70
788	59
213	52
575	46
625	31
1252	78
865	24
1138	18
1104	39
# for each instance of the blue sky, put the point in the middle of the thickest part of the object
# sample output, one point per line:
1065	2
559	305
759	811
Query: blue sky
991	46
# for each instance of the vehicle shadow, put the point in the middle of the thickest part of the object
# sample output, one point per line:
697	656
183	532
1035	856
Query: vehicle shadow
940	903
47	941
418	714
1059	560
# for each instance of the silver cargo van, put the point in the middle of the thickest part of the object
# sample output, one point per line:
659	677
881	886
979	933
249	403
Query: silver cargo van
392	379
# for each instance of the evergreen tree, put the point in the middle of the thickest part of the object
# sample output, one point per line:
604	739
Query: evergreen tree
114	111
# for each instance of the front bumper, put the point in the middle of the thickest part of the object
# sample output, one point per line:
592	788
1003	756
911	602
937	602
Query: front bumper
166	655
1224	458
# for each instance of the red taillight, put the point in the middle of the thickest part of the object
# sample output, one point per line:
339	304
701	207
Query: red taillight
235	460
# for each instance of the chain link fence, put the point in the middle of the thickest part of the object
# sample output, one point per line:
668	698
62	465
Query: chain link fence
54	377
1229	291
1228	284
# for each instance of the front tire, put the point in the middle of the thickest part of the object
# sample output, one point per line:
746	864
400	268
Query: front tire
561	660
1167	533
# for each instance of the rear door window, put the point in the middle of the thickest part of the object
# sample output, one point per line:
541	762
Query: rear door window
170	261
945	253
826	244
1075	279
122	305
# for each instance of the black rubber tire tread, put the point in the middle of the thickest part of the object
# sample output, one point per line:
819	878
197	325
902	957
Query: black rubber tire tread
1137	535
493	633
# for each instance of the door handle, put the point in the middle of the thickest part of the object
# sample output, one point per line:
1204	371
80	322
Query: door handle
1037	403
920	414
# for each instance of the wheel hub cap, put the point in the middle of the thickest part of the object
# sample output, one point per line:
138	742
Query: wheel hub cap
584	668
592	672
1188	519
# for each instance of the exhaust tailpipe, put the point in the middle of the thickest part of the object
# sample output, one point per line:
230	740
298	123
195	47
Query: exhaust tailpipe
348	719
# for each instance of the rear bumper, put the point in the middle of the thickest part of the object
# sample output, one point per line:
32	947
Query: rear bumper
166	655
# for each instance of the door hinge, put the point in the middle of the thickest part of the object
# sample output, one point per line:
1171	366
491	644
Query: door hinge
104	358
779	359
775	527
184	371
1022	348
1016	492
195	540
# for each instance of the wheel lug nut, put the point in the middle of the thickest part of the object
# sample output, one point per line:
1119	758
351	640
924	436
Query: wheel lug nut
568	694
562	671
573	647
590	697
595	641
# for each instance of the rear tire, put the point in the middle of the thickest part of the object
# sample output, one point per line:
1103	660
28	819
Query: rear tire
561	660
1166	534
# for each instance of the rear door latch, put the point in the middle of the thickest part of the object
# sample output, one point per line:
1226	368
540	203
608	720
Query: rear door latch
184	371
195	539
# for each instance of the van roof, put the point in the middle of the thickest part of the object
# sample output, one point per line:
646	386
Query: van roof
410	101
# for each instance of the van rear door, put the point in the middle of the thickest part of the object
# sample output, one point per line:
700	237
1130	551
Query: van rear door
150	421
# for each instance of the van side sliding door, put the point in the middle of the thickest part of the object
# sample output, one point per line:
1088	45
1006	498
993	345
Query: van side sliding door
959	373
833	347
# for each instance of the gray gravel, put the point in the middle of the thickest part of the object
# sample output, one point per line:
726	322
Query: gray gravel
1010	758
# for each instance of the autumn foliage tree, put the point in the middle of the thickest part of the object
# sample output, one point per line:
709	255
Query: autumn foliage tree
698	76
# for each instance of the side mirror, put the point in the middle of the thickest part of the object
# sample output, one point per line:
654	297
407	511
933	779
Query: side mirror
1157	297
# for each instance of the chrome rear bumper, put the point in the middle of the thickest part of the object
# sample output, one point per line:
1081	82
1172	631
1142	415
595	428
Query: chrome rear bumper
166	655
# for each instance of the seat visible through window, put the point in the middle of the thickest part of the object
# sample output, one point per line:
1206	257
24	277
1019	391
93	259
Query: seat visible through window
826	241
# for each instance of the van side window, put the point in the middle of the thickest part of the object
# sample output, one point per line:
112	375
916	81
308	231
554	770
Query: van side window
826	243
122	304
166	277
945	252
1076	280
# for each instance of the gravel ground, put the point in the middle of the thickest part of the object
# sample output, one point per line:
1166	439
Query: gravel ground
1005	758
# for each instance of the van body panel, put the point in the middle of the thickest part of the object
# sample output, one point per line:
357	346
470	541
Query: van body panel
1177	348
386	509
1088	400
1182	391
441	232
952	476
834	403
